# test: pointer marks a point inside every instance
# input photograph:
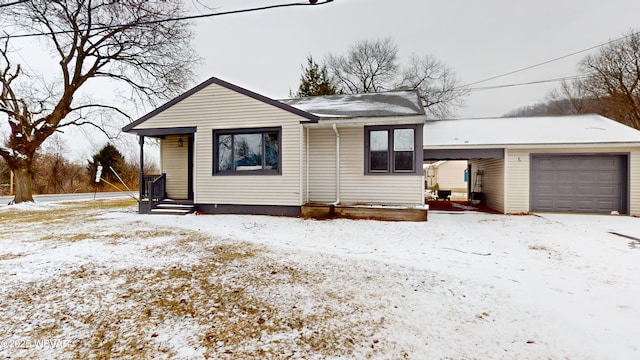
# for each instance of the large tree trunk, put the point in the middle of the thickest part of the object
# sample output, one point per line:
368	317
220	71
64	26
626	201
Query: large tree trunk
22	180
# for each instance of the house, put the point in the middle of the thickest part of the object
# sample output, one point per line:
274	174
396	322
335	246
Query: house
581	163
226	149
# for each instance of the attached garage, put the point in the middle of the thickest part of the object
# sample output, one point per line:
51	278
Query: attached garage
578	164
579	183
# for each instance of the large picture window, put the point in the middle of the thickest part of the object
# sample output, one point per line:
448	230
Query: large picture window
247	151
392	149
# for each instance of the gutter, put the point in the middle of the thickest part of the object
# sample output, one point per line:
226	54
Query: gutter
335	130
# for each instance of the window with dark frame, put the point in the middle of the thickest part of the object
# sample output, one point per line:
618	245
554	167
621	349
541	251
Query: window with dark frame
390	149
247	151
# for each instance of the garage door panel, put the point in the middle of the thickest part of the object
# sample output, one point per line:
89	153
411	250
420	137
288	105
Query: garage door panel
564	176
546	164
607	191
585	177
579	183
563	190
564	164
606	177
564	204
587	190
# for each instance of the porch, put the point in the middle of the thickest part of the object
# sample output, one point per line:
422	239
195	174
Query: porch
154	200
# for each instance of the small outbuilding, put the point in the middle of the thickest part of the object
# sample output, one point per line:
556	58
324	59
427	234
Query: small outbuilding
581	163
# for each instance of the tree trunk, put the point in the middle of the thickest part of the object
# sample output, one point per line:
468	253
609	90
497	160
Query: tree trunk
22	179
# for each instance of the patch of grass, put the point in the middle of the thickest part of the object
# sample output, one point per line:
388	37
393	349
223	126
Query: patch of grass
10	256
232	295
219	298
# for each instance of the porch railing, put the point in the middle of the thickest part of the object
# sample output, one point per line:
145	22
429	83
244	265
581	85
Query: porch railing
154	190
147	180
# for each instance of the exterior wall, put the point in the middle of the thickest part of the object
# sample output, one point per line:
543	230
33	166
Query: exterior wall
216	107
174	165
355	186
493	185
450	176
518	171
517	181
322	169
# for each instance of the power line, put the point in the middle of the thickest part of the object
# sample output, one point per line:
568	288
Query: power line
553	60
575	77
175	19
13	3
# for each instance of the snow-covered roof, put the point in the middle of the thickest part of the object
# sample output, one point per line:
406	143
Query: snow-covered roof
393	103
574	129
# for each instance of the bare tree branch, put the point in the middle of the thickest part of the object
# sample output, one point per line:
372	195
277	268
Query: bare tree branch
131	42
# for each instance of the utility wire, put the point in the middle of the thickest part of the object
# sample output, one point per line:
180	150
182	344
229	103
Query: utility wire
576	77
181	18
553	60
13	3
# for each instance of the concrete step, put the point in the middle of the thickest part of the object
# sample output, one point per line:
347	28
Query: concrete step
172	208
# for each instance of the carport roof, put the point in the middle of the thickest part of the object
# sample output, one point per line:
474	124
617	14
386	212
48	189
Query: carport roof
491	132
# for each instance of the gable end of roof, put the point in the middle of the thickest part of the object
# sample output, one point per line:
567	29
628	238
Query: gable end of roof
232	87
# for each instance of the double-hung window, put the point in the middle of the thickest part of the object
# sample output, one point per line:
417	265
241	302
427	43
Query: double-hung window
247	151
392	149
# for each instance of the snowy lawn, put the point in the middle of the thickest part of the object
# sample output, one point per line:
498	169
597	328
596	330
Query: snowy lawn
96	280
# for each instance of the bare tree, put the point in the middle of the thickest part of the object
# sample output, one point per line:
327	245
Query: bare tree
372	66
134	43
369	66
613	79
438	85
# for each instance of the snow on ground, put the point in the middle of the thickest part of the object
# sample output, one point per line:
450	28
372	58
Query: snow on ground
463	285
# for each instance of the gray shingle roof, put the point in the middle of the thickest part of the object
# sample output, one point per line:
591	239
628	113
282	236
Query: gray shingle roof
393	103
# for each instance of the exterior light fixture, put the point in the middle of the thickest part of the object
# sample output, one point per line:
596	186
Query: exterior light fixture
180	142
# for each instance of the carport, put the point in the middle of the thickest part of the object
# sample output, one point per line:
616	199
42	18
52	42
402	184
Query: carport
581	163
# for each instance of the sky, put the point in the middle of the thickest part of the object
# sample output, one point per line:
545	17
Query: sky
264	51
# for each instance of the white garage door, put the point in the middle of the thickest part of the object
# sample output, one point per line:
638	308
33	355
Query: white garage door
579	183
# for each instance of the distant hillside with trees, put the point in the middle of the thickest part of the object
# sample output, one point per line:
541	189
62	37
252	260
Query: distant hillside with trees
608	84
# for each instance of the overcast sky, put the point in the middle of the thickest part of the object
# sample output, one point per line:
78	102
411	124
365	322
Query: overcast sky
264	51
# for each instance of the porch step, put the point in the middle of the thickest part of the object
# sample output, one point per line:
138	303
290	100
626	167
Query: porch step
173	208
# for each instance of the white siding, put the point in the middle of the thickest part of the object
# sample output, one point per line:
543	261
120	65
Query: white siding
174	165
450	176
216	107
322	169
518	168
355	186
492	182
517	181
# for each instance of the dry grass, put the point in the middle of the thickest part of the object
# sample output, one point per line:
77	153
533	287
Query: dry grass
220	298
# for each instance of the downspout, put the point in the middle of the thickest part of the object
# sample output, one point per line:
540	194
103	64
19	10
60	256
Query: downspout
300	168
307	164
335	130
